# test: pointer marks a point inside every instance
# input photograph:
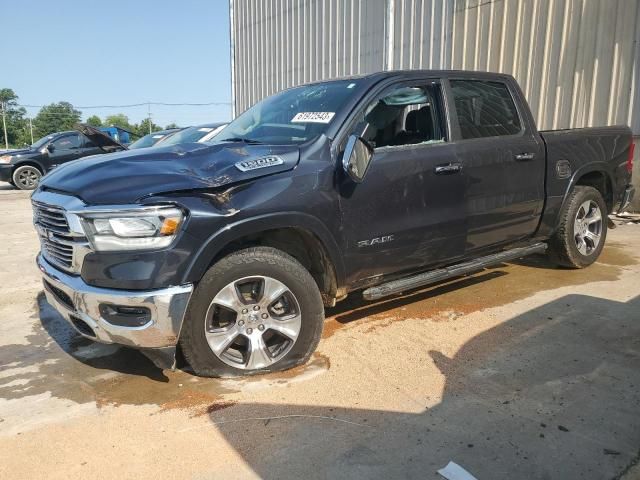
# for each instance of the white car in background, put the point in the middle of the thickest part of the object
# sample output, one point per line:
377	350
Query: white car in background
195	134
152	139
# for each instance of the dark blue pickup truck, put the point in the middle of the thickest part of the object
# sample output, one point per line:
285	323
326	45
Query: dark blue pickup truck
379	184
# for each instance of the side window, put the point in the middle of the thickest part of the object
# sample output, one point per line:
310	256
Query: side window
70	142
403	115
485	109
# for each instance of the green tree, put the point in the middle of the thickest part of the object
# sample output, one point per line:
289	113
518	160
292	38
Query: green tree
55	117
171	125
143	129
16	123
118	120
94	121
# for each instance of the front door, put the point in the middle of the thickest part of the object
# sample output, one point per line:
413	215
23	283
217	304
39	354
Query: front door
408	212
65	149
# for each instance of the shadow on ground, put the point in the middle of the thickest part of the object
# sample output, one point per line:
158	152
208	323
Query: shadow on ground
551	394
58	361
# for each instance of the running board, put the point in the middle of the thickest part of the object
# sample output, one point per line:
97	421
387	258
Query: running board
427	278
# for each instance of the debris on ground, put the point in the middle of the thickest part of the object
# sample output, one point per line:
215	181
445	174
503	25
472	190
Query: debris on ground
453	471
627	217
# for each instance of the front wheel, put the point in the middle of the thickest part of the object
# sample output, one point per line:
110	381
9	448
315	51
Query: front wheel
256	310
26	177
582	231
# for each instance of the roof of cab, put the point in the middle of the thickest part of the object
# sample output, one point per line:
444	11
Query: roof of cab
377	76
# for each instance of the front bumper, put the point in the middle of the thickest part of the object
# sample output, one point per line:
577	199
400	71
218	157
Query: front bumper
6	172
79	304
627	196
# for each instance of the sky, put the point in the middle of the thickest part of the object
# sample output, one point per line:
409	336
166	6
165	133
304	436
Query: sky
119	52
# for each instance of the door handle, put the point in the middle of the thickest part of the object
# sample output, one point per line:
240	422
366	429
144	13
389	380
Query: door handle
448	169
523	157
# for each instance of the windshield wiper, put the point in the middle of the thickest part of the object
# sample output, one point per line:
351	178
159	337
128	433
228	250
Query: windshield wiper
240	139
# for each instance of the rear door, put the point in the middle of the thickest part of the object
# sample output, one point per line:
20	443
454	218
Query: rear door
503	161
89	148
408	211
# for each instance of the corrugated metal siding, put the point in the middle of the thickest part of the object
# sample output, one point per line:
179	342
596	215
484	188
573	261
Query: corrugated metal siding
576	60
282	43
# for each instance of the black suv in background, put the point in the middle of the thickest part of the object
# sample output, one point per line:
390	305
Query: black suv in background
24	168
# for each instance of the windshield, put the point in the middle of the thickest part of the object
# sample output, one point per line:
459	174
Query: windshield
293	116
42	142
188	135
148	140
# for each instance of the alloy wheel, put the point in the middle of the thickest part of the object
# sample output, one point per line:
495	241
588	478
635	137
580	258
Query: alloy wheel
28	178
587	227
253	322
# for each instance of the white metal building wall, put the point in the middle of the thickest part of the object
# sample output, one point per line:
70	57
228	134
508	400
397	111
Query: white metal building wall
576	60
282	43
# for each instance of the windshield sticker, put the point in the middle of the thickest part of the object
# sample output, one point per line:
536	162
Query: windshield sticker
351	85
263	162
205	129
313	117
157	136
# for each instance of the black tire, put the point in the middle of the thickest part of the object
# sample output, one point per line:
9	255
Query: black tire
563	248
26	177
258	261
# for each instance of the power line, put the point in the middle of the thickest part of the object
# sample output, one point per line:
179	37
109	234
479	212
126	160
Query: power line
166	104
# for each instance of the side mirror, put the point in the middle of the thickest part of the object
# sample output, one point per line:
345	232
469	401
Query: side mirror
50	148
356	158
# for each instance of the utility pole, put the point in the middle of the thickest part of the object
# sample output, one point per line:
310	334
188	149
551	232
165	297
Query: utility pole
4	124
149	113
31	128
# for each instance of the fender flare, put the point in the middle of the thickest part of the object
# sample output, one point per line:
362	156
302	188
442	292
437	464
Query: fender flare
29	161
252	225
599	167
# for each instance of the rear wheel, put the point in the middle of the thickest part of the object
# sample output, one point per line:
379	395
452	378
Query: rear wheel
256	310
582	232
26	177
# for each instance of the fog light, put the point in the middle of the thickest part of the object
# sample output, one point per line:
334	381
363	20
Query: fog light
125	316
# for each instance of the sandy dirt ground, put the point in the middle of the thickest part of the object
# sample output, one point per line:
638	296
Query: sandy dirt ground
523	371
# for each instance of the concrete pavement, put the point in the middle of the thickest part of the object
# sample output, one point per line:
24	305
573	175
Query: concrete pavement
520	371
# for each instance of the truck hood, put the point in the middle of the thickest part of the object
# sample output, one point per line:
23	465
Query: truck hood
99	139
125	177
19	152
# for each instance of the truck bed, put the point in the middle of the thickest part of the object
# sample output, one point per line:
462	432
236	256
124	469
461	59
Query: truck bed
587	149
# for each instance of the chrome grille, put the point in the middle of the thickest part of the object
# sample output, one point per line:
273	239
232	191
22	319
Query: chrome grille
50	217
55	237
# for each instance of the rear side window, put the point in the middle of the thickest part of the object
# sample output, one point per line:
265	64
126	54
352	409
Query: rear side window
485	109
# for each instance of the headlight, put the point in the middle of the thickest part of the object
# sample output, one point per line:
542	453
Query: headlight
147	229
5	158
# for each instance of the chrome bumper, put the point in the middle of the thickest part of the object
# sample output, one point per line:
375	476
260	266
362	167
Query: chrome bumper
79	304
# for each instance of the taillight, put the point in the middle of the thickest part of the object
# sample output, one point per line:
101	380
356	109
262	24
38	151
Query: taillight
632	147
